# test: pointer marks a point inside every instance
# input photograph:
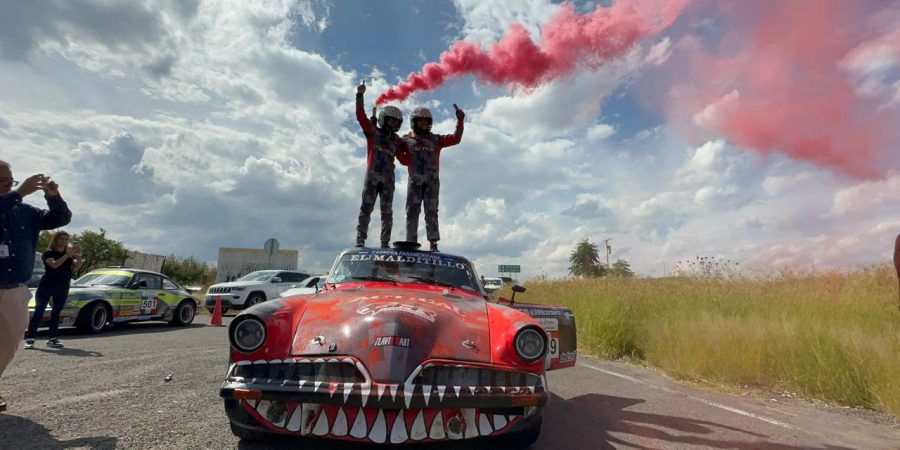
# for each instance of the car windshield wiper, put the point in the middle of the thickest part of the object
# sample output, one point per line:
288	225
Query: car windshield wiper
385	279
434	282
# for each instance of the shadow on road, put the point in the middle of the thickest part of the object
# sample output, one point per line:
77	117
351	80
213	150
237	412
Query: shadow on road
72	333
598	421
68	351
18	432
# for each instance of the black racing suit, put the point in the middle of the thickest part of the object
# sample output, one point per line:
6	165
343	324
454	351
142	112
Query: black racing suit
382	145
423	160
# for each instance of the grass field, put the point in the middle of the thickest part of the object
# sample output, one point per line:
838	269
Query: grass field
828	336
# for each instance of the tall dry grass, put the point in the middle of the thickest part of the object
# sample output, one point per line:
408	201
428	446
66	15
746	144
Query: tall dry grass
832	336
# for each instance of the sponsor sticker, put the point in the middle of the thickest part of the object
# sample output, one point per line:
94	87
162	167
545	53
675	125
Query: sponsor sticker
391	341
567	356
549	323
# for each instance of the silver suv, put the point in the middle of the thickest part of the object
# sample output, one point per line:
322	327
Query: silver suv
38	272
255	287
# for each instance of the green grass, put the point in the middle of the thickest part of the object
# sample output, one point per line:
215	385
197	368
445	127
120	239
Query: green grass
831	336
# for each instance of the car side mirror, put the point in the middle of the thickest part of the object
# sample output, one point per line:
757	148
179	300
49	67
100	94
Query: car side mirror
516	288
276	280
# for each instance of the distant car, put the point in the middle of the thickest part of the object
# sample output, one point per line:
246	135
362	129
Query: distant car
38	272
493	284
255	287
310	285
116	295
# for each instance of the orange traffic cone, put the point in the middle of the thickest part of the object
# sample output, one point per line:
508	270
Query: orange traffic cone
216	320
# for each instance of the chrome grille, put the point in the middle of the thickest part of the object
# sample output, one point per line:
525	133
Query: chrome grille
457	375
218	290
300	370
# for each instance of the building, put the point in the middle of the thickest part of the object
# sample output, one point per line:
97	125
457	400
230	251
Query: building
234	263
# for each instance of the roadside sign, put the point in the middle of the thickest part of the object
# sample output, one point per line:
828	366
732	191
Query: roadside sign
509	268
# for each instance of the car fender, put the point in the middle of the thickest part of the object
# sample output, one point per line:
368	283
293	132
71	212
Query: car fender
559	323
504	323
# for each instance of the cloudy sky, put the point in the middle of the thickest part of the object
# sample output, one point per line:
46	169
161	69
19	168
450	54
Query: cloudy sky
764	133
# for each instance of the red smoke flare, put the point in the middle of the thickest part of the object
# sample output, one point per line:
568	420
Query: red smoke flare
791	77
566	41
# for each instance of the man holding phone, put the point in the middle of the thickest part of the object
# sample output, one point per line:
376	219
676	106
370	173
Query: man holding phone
20	225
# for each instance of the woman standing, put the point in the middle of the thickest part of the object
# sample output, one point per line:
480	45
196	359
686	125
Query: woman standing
59	262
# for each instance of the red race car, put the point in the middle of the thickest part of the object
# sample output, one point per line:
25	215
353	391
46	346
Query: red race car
400	346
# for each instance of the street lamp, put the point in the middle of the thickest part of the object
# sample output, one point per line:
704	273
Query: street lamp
608	251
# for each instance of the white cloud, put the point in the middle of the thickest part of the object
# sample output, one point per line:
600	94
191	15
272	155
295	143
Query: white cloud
486	22
777	184
600	131
868	196
659	52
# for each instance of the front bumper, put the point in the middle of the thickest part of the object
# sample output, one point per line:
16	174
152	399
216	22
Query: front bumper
368	411
228	300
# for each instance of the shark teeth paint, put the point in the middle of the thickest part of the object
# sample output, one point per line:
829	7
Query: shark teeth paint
378	425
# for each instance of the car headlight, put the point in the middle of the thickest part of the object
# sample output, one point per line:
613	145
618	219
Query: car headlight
247	334
237	289
530	343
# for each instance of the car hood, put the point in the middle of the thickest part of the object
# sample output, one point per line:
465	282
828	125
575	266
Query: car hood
239	283
298	291
393	331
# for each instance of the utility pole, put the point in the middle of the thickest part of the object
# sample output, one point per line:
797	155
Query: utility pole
608	251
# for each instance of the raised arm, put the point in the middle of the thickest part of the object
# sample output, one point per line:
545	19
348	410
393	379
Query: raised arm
364	122
447	140
58	215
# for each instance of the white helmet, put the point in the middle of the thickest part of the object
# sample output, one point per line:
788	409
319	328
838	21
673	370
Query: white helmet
390	111
420	112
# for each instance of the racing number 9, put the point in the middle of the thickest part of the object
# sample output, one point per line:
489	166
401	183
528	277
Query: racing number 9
554	347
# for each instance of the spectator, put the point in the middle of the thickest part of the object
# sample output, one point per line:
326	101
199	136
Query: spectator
59	262
897	260
20	225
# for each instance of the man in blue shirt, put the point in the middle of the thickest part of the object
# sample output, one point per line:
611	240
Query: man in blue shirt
20	225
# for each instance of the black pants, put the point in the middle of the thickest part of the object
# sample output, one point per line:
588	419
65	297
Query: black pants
376	185
42	296
419	192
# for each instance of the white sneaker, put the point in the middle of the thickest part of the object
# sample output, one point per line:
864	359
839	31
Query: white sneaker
29	343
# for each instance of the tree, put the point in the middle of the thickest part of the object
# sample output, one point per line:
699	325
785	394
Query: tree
585	261
188	271
98	251
621	268
44	241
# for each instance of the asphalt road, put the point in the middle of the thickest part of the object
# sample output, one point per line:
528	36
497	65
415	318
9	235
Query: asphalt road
109	391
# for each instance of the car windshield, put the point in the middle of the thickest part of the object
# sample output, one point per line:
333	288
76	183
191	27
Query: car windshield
102	279
405	267
261	275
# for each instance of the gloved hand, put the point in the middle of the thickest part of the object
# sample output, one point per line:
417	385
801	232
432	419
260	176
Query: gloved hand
460	115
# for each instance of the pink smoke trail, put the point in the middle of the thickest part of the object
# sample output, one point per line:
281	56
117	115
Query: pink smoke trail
566	41
793	77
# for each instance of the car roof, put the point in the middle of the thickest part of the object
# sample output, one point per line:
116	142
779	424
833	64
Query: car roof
129	269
